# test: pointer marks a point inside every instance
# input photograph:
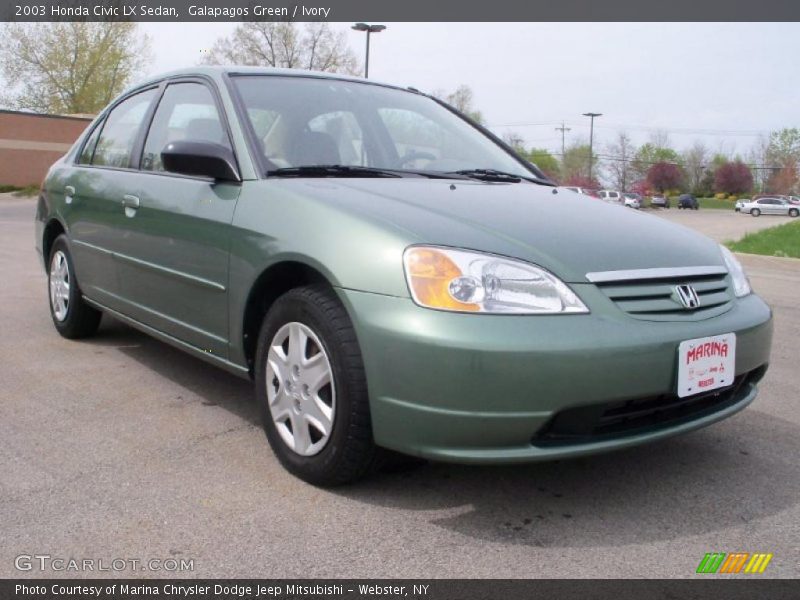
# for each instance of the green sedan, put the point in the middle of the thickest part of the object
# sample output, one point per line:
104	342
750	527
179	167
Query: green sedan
391	275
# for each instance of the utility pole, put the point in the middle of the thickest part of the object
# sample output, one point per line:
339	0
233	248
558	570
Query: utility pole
591	116
563	130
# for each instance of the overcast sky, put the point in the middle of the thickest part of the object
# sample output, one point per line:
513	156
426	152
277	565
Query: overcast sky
721	83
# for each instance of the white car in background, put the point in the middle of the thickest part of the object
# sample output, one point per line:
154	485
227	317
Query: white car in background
768	206
632	200
611	196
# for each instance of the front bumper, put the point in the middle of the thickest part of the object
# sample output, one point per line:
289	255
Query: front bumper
478	388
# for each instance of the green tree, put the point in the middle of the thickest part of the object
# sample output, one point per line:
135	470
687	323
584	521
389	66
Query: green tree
316	47
575	163
650	154
783	149
545	161
782	157
69	67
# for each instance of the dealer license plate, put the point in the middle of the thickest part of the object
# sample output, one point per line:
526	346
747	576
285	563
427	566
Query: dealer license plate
706	364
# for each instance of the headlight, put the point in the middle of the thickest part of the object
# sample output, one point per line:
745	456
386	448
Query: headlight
741	285
465	281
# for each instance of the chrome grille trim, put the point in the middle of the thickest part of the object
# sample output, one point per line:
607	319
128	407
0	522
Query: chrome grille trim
657	273
657	299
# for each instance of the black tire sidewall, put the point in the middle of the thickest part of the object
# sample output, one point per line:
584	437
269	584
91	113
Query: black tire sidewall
755	212
794	212
321	468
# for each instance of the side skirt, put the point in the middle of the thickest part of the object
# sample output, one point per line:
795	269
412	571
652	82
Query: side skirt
228	366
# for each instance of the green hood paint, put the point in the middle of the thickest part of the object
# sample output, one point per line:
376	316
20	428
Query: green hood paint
566	233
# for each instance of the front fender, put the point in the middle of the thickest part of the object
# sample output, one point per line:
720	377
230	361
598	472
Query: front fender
272	226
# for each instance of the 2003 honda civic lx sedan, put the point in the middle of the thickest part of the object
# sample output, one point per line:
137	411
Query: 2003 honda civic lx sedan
391	275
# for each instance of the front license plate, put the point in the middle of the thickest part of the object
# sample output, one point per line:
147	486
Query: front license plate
706	364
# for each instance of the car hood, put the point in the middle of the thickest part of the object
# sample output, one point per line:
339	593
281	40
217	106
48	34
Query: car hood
564	232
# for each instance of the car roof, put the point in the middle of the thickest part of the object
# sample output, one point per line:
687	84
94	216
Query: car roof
218	72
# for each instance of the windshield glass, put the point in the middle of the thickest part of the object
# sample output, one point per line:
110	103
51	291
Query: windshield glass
307	121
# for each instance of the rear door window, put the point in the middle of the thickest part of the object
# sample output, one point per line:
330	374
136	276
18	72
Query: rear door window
117	140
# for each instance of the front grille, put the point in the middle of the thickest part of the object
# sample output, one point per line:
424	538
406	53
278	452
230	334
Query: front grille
600	422
657	299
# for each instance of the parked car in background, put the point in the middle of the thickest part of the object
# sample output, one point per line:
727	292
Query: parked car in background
688	202
270	222
770	206
791	199
632	200
660	201
611	196
581	190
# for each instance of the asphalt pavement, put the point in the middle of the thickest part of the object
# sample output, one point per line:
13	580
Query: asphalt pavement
121	447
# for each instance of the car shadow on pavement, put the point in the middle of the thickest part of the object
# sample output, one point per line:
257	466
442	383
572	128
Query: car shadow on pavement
213	386
734	473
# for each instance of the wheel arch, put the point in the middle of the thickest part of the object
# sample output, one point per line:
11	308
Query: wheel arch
274	281
51	231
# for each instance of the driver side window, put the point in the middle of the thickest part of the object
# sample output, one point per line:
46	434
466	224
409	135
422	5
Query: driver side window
187	111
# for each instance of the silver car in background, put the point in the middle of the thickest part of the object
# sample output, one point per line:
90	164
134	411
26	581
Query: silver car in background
632	200
660	201
768	206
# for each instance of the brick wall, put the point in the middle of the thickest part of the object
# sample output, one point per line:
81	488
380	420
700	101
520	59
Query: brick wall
30	143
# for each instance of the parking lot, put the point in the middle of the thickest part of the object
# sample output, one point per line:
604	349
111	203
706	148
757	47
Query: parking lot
122	447
721	225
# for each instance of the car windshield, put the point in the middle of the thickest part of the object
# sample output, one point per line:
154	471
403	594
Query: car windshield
366	128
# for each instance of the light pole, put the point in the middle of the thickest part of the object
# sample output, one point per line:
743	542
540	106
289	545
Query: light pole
591	116
369	29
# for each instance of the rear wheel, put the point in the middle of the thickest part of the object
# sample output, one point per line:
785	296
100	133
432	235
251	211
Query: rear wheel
312	389
72	316
755	212
793	212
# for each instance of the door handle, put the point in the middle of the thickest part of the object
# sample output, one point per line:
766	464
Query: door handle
130	203
69	192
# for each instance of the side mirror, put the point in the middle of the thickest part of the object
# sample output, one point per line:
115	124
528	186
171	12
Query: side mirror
204	159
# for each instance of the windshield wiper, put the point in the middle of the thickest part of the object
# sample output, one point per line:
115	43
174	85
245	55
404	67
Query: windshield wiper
356	171
494	175
333	171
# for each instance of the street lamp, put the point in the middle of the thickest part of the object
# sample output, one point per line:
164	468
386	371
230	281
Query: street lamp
369	29
591	115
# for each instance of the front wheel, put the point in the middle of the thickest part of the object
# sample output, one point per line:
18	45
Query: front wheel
755	212
72	316
793	212
312	390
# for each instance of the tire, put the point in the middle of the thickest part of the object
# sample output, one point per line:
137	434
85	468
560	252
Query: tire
793	212
755	212
348	452
72	316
